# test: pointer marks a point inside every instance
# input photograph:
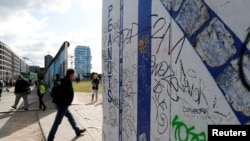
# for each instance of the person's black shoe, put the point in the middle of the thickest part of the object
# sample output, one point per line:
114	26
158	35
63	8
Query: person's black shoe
26	109
44	108
13	107
78	133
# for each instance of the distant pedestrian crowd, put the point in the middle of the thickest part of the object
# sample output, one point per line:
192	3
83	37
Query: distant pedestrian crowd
22	88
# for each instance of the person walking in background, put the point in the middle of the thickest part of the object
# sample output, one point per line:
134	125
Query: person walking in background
30	82
63	100
21	91
10	82
6	84
41	91
36	83
57	80
1	87
95	83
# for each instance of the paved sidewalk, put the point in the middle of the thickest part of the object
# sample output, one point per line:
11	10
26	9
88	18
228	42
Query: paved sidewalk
90	116
8	98
16	124
87	115
83	116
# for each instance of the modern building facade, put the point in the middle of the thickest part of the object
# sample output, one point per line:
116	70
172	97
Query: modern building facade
34	68
83	59
10	63
47	59
24	66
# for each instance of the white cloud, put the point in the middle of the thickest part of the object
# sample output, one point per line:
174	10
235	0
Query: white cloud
91	38
24	28
90	4
36	48
20	26
20	32
16	19
37	5
60	6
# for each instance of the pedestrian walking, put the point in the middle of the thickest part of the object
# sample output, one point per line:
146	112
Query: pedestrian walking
10	82
21	88
63	101
6	84
36	83
1	87
41	91
57	80
95	83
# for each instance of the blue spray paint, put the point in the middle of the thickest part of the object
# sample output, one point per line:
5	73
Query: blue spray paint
221	70
110	26
144	71
121	69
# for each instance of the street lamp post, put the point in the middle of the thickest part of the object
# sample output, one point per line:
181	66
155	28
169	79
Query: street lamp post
26	58
20	66
71	57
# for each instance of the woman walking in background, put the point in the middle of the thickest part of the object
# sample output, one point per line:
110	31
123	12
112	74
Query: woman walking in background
95	83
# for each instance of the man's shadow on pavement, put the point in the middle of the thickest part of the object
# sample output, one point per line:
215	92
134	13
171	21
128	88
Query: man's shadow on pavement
96	103
15	121
77	137
91	103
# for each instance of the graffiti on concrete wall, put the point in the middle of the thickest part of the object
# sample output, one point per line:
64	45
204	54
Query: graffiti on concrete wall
218	47
58	65
110	75
193	14
235	92
215	44
172	4
182	132
171	68
244	63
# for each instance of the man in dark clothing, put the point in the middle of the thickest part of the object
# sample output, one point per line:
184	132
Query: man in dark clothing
21	91
67	88
1	87
63	101
57	80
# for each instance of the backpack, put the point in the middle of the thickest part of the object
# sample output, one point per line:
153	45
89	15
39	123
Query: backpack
55	92
42	89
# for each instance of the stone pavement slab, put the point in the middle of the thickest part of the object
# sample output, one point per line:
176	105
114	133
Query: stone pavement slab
87	115
90	116
15	123
8	98
65	131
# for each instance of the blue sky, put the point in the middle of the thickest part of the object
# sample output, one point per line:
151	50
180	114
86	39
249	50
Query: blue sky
37	28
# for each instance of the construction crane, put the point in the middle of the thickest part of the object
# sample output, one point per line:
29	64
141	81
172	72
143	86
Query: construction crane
71	60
